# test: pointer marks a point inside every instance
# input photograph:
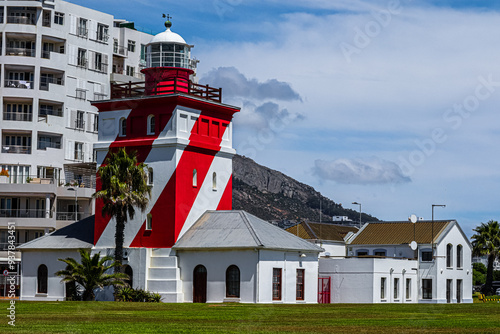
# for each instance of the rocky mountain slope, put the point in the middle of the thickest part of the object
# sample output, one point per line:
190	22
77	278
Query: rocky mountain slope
272	195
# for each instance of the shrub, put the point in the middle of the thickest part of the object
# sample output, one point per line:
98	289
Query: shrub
4	172
128	294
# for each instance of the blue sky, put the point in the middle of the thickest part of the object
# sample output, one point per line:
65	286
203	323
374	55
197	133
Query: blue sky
393	104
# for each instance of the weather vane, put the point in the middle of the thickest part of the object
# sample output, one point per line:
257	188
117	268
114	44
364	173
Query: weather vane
167	16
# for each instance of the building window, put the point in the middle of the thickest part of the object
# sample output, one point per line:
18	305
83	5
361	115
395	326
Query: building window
362	253
130	71
276	283
128	270
379	252
214	181
449	254
123	127
300	284
59	18
426	288
131	46
96	123
143	54
396	288
82	28
149	222
408	288
382	287
102	33
80	122
426	256
42	279
82	58
459	256
78	151
195	178
99	65
151	125
233	282
150	176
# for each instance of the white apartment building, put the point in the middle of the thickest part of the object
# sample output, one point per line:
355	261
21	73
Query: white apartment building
55	57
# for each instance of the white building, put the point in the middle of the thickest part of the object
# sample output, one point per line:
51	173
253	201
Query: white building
55	58
383	264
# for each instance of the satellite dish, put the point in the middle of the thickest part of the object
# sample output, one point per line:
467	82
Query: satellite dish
413	245
413	219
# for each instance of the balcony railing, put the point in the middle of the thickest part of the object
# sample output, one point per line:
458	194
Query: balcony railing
5	245
170	86
24	213
50	112
44	85
25	84
71	215
24	52
120	50
21	19
99	96
102	37
17	116
16	149
82	32
43	145
81	182
5	285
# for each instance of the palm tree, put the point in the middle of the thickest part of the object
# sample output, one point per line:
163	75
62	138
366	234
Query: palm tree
124	187
91	273
486	241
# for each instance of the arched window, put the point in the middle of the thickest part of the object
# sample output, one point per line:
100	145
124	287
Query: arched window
200	284
151	124
233	282
214	181
123	127
150	176
459	256
449	254
42	279
195	178
128	270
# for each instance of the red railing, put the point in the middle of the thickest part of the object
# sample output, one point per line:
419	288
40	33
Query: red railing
167	86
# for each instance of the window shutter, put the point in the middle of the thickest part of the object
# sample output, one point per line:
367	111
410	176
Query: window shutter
70	147
72	54
72	22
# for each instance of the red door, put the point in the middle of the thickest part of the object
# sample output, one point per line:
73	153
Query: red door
324	290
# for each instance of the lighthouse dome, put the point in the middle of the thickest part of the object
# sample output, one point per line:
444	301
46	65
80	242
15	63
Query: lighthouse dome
168	36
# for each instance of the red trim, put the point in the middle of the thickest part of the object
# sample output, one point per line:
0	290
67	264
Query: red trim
226	201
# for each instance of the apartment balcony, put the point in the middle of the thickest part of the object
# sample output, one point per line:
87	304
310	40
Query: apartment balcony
119	50
18	116
23	84
46	81
22	19
16	149
43	145
23	213
72	216
22	52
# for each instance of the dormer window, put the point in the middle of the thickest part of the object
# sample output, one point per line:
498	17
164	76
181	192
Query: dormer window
123	127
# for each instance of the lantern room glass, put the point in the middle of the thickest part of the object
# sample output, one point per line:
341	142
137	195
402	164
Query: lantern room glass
168	55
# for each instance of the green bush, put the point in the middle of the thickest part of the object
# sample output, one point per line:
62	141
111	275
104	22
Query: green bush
128	294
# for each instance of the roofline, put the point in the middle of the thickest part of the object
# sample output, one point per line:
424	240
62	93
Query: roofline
228	248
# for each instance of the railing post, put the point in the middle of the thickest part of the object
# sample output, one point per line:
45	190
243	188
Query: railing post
220	94
206	91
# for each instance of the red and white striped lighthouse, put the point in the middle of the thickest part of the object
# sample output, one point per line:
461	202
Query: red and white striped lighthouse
182	131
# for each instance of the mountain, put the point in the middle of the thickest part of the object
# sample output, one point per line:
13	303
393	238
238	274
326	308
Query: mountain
272	195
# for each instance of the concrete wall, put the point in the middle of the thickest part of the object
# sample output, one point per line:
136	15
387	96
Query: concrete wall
31	260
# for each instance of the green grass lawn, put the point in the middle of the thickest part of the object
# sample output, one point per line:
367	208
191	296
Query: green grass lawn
109	317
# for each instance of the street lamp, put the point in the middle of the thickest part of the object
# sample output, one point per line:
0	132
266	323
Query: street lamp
76	201
432	226
356	203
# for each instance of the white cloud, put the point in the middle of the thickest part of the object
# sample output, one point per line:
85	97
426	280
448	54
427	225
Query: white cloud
360	171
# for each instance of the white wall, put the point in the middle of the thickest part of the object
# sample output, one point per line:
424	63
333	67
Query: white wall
31	260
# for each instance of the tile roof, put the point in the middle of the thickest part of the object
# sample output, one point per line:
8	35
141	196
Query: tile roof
323	231
397	233
80	234
238	229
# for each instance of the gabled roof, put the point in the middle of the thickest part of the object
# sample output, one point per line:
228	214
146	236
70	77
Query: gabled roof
80	234
236	230
397	233
321	231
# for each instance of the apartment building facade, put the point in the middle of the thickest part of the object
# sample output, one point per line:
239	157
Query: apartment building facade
55	58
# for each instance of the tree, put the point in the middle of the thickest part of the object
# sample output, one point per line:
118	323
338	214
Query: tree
124	187
486	241
91	273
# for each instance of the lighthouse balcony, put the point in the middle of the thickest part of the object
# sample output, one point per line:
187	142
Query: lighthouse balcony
174	85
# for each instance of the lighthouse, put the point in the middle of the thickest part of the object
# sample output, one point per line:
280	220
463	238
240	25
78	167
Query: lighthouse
183	132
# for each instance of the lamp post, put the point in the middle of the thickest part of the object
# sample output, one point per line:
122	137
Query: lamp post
432	226
356	203
76	201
